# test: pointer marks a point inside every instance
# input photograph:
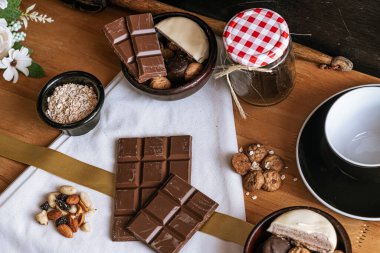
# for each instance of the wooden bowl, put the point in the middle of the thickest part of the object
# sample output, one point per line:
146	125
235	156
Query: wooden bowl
192	86
259	233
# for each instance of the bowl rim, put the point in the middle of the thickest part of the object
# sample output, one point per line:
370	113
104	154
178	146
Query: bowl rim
320	199
50	85
330	118
336	224
211	61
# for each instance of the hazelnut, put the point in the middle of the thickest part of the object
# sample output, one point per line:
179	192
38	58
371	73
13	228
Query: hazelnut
167	53
274	162
299	250
160	83
253	180
240	163
192	70
173	46
256	152
272	180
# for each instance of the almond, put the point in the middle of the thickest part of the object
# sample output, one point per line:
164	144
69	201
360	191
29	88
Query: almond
81	219
79	210
73	224
72	199
65	230
84	207
54	214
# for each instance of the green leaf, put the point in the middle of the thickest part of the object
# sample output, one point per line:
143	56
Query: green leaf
35	70
12	12
17	46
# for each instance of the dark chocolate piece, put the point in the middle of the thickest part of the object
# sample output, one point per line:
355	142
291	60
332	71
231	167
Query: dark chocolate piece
143	166
171	218
176	67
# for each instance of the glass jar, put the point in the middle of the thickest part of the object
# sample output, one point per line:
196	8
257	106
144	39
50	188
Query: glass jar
262	88
261	64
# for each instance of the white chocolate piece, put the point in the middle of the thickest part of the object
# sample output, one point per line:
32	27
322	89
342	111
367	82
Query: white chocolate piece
187	34
306	227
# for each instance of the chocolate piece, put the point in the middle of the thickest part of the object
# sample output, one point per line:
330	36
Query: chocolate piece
137	46
274	244
143	166
171	218
118	36
176	67
146	47
116	31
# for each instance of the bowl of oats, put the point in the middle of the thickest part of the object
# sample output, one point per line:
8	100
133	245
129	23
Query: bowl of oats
71	102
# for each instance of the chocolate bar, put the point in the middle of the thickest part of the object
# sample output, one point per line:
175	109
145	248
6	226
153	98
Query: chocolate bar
143	166
171	218
135	41
146	46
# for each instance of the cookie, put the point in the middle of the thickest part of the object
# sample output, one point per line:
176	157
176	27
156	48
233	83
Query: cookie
256	152
253	180
272	180
273	162
240	163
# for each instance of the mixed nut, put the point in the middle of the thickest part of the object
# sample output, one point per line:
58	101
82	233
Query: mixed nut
68	209
259	167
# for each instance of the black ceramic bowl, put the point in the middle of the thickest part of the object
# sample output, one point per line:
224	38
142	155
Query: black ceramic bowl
78	77
190	87
259	233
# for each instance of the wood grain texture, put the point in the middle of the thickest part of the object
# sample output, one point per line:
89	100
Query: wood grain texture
75	41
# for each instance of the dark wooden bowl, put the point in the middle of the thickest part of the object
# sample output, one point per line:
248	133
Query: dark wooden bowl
259	233
190	87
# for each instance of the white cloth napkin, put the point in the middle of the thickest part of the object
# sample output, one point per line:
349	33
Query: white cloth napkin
206	115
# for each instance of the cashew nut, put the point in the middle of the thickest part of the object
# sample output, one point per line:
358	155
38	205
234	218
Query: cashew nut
85	199
51	199
86	227
42	218
68	190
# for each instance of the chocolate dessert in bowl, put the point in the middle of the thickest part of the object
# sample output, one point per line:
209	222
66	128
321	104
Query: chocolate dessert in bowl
169	56
298	229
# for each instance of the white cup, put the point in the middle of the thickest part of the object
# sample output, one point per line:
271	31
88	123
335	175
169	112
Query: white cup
352	127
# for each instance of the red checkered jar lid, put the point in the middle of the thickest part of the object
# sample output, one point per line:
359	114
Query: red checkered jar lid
256	37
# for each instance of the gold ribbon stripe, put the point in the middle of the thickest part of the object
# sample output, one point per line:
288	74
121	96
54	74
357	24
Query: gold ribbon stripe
57	163
220	225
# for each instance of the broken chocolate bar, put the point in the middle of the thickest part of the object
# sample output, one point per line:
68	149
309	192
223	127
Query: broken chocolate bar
143	166
172	217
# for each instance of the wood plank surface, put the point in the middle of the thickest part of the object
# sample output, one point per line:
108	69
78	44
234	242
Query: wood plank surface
75	42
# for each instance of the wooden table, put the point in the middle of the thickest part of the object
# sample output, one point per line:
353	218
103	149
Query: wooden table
75	42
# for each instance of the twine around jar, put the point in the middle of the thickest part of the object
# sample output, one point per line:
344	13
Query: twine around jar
226	71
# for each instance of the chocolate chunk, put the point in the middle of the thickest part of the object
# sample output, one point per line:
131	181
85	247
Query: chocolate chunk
116	31
274	244
140	24
143	166
172	217
176	67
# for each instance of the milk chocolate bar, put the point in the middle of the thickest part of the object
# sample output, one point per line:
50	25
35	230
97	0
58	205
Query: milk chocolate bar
135	41
143	166
172	217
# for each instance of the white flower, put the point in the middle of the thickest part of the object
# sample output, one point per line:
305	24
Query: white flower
17	60
6	38
3	4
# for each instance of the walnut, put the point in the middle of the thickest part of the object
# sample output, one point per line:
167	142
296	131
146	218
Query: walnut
299	250
192	70
241	163
253	180
173	46
274	162
256	152
272	180
167	53
160	83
